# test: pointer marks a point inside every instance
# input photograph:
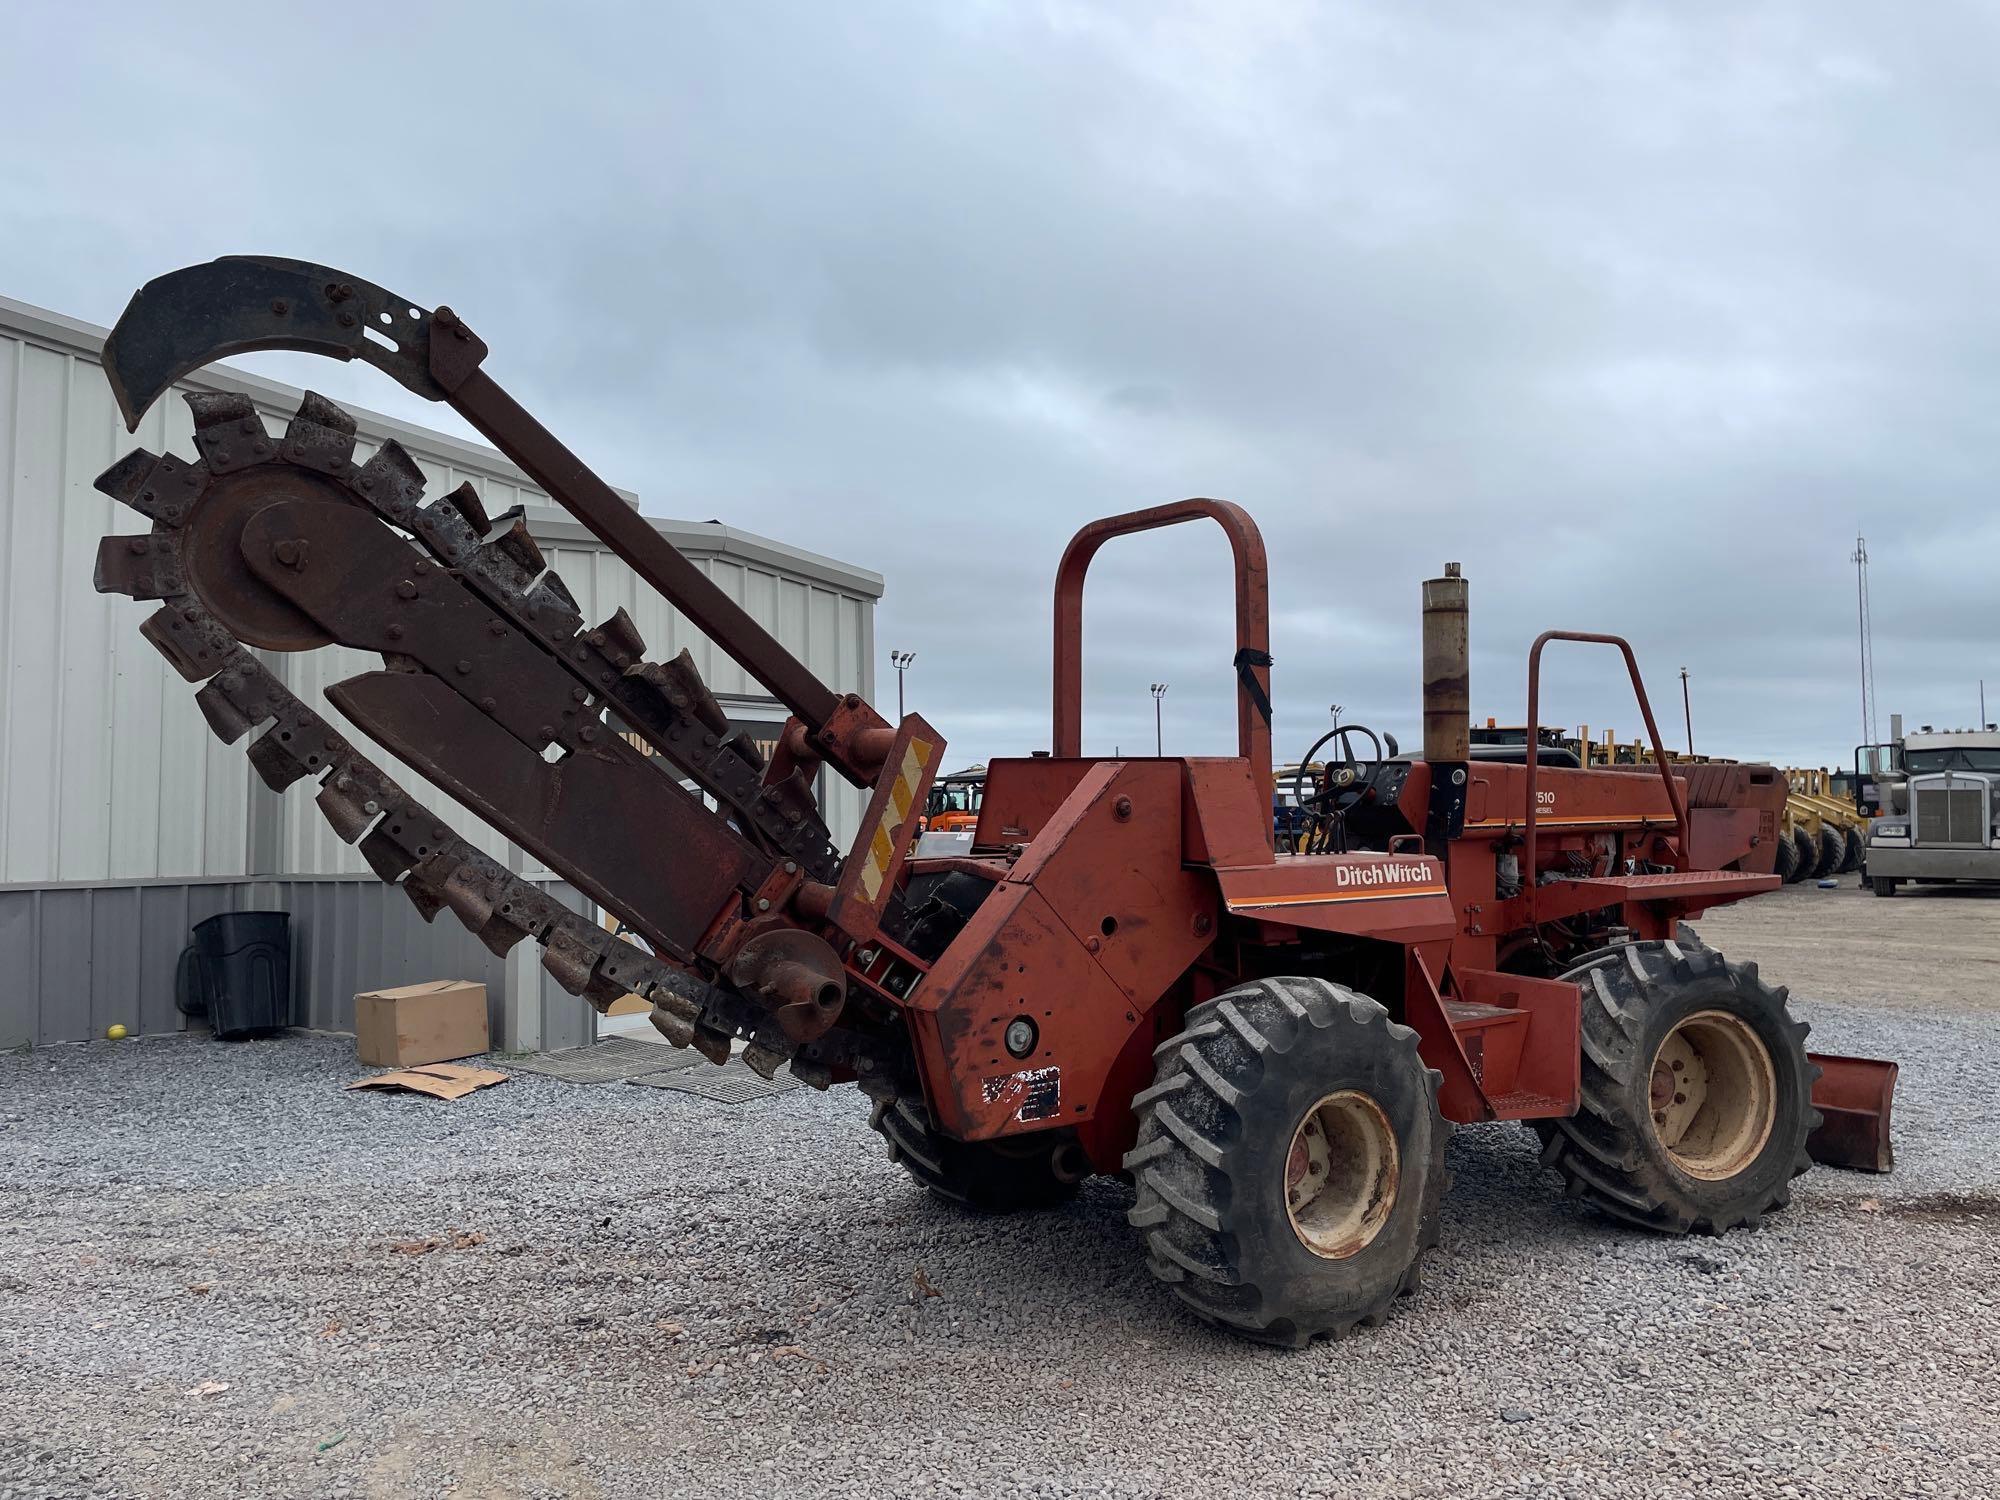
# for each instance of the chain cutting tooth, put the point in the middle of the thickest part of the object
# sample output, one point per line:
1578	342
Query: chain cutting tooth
290	751
388	858
576	962
228	431
551	606
320	437
192	643
762	1060
711	1043
812	1074
480	902
393	484
672	1025
467	501
619	638
140	567
160	488
519	545
353	797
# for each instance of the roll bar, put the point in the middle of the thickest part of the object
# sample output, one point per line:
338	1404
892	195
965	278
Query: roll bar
1253	624
1674	798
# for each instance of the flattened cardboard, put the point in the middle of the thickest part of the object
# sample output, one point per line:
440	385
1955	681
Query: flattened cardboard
414	1024
439	1080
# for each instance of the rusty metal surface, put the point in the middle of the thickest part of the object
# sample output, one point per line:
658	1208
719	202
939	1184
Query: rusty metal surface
1853	1096
798	973
1087	937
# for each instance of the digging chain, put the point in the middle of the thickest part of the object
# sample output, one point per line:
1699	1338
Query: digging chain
403	842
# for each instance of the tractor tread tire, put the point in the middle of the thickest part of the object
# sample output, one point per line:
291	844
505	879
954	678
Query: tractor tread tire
978	1175
1208	1167
1856	851
1808	849
1606	1152
1786	865
1832	851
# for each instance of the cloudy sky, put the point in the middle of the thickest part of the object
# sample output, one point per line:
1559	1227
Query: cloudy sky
1639	312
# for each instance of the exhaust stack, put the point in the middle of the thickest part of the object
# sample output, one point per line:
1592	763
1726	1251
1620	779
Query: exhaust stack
1447	671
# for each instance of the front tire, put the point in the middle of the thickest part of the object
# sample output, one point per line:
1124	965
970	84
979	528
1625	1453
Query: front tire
1290	1161
1697	1093
1883	885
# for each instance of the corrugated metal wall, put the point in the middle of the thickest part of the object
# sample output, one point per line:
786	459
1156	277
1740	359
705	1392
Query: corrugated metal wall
108	774
81	958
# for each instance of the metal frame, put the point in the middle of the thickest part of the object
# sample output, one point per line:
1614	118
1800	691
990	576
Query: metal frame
1253	624
1529	833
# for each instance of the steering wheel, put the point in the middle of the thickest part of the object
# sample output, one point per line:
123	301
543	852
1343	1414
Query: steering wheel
1348	781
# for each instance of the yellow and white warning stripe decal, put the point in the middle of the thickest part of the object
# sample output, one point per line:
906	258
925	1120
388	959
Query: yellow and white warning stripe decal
1323	898
902	793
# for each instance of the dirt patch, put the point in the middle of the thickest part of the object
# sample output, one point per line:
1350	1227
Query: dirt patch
1945	1208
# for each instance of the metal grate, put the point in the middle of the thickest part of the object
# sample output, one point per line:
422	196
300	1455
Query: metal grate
732	1083
1950	812
615	1059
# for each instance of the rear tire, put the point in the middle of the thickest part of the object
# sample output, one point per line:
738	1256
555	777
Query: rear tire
1697	1093
1832	851
1856	852
989	1177
1808	852
1290	1161
1786	865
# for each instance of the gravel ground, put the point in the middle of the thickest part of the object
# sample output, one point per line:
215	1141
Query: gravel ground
221	1275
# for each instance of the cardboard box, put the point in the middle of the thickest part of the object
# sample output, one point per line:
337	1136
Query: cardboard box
420	1023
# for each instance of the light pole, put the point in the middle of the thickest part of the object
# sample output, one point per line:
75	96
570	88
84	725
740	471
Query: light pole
1687	711
1159	691
900	660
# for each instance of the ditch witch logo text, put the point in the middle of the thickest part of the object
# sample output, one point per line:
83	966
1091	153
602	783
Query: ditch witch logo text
1411	872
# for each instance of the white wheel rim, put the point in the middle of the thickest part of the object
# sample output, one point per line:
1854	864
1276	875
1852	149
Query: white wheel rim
1712	1095
1340	1175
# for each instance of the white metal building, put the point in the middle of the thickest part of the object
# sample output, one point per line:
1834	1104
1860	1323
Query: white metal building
123	820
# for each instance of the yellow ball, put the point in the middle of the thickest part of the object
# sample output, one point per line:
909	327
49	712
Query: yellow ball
114	1033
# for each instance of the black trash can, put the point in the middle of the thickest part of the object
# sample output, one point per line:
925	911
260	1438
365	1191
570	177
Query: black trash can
238	973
